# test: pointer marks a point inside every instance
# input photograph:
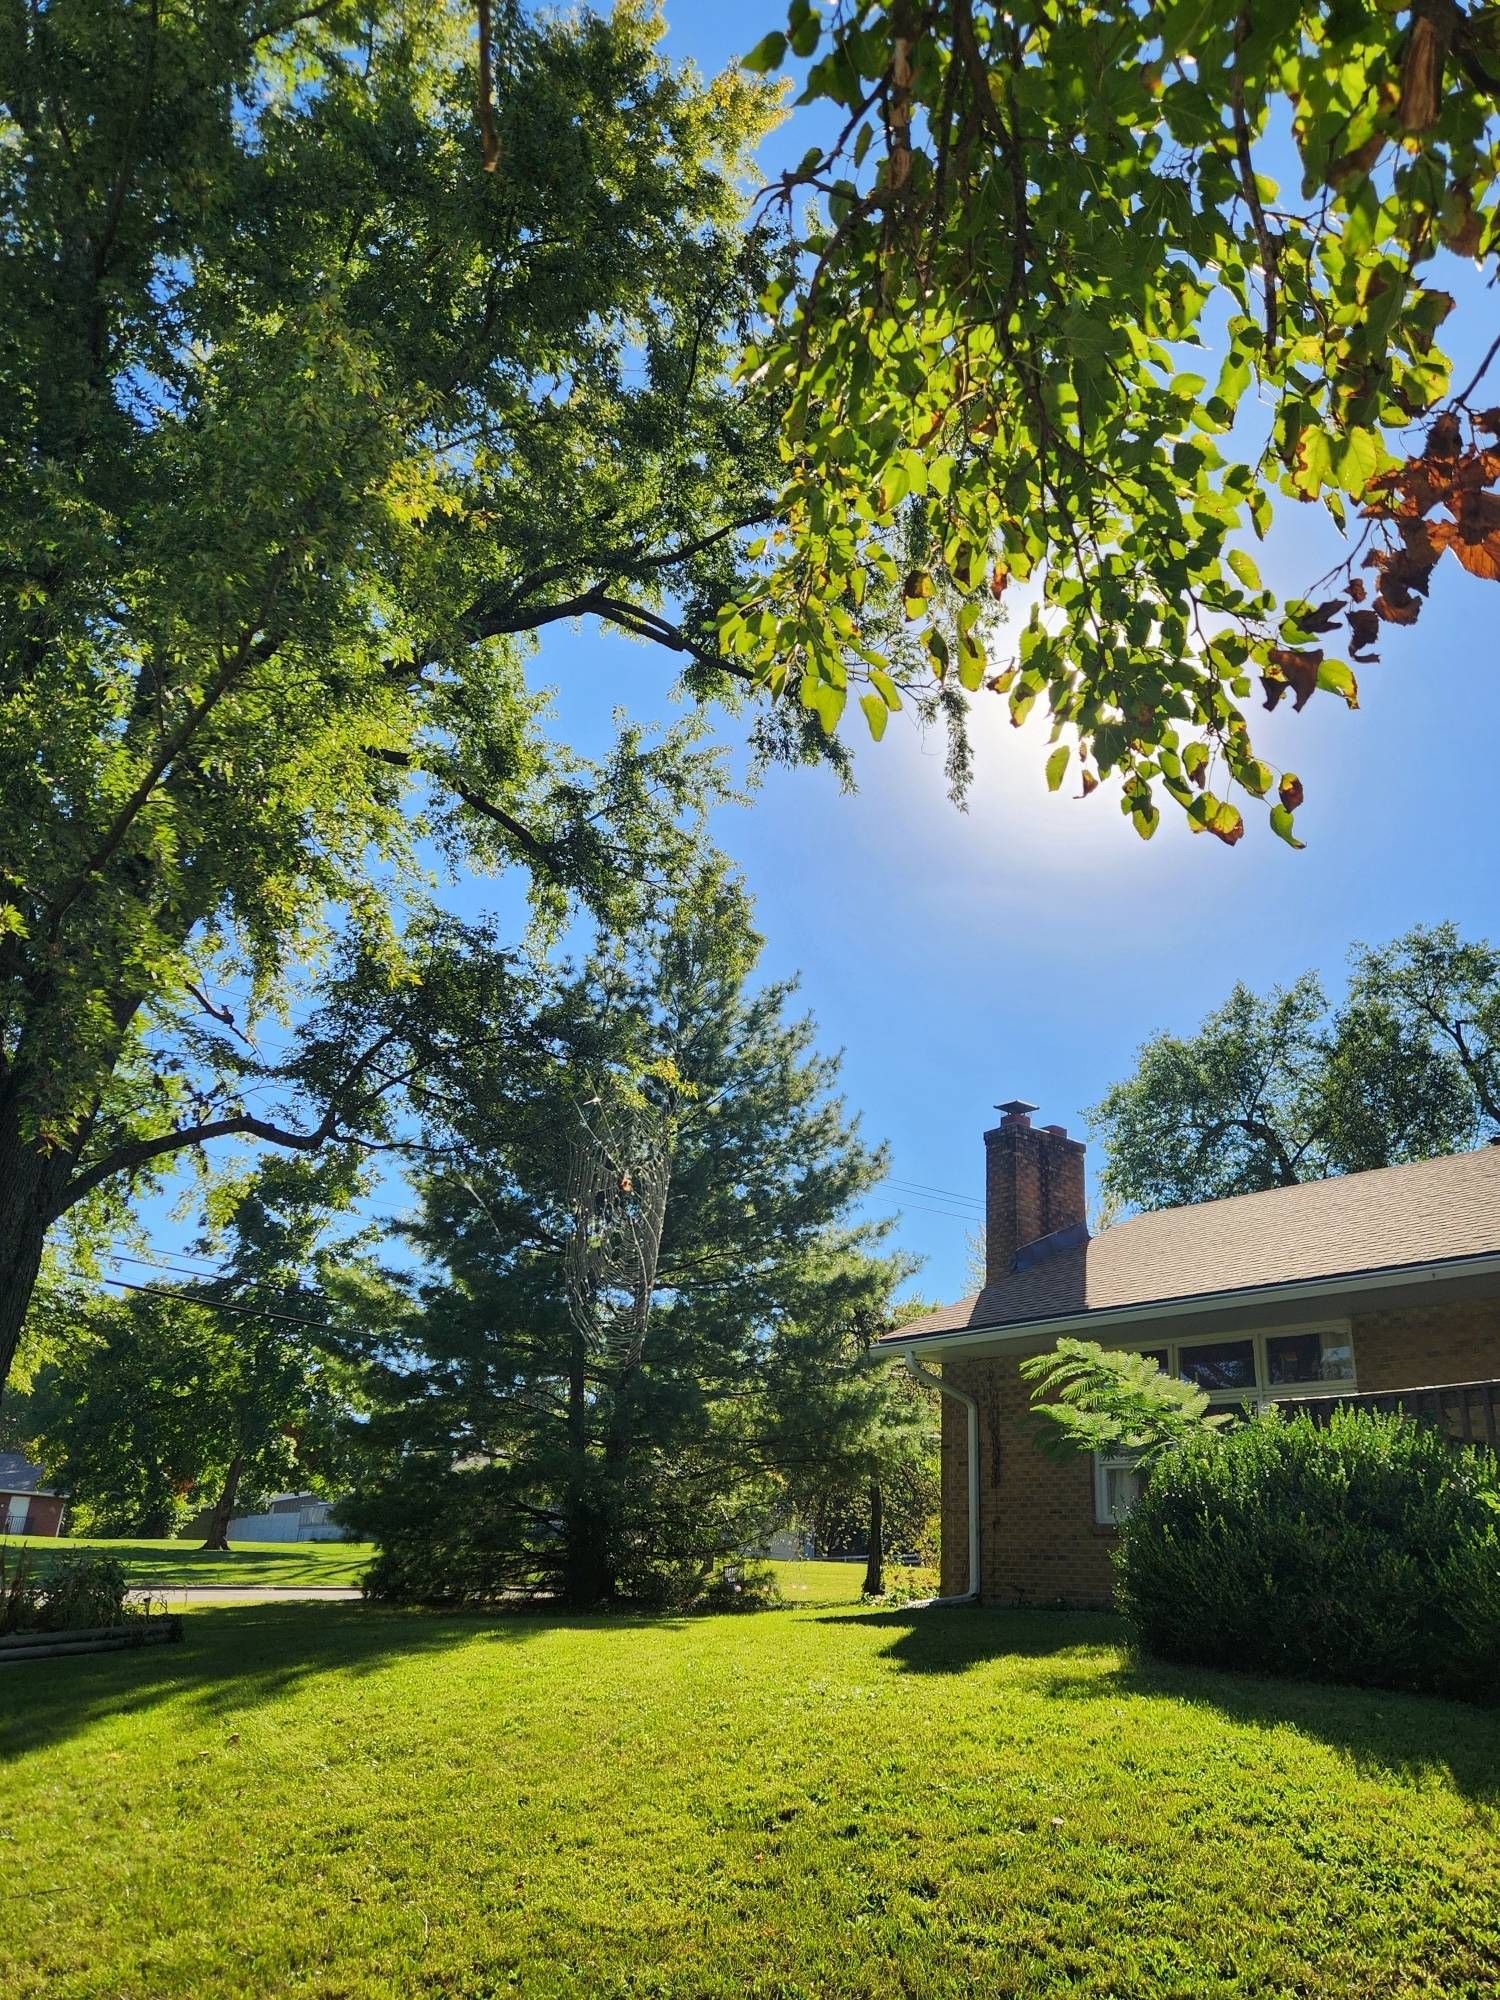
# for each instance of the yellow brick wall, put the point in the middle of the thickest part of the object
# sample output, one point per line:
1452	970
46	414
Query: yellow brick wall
1038	1543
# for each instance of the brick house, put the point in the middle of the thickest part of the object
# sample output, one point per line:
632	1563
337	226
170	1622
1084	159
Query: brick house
1381	1288
26	1506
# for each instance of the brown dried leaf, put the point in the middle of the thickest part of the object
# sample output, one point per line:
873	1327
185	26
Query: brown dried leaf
1322	617
1290	791
1298	670
1364	630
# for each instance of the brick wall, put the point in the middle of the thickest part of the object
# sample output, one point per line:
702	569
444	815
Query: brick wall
1425	1345
1038	1542
1033	1185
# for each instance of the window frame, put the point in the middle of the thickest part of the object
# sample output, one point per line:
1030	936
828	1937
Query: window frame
1257	1398
1106	1462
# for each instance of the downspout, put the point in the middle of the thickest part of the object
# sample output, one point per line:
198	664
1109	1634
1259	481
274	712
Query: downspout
971	1407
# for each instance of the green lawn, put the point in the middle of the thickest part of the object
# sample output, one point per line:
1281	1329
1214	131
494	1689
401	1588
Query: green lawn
172	1564
341	1803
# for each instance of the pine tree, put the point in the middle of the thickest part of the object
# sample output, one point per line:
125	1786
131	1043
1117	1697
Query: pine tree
638	1310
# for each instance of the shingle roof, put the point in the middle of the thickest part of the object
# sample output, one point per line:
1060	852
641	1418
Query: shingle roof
18	1475
1389	1218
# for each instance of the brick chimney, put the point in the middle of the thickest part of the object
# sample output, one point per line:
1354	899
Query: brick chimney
1033	1185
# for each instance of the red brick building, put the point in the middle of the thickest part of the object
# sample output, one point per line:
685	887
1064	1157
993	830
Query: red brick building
1381	1288
26	1506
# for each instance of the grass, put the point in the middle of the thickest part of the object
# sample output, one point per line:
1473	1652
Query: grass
347	1804
170	1565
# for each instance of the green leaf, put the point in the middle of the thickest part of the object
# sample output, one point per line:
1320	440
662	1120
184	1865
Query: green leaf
1057	766
1335	678
1282	826
1244	569
886	687
876	714
769	53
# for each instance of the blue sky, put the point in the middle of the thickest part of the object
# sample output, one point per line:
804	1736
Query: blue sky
1028	945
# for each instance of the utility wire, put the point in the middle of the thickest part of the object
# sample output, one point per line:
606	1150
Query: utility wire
947	1194
209	1305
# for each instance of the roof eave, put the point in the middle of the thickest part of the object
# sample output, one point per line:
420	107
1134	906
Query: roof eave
1106	1319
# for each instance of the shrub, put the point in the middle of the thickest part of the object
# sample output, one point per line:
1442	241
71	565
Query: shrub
905	1583
1366	1550
747	1585
70	1594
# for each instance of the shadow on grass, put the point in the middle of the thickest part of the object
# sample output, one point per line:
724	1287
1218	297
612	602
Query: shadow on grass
1414	1738
933	1639
233	1659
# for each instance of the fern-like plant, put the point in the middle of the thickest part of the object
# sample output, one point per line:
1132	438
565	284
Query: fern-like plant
1091	1398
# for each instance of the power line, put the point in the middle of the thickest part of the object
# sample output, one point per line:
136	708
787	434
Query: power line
947	1194
208	1305
170	1260
953	1215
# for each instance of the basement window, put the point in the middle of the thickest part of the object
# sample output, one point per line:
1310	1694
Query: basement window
1118	1479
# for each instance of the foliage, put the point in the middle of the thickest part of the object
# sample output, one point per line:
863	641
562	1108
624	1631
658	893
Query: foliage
310	427
1276	1090
900	1452
1366	1550
742	1586
908	1583
1093	1398
70	1594
1034	226
623	1440
570	1805
194	1390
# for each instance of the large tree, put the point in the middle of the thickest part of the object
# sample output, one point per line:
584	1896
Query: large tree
204	1392
1280	1088
308	426
640	1304
1035	225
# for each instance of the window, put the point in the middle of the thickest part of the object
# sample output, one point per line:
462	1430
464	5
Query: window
1326	1355
1219	1366
1117	1486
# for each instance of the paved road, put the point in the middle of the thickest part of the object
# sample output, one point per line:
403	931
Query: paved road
176	1596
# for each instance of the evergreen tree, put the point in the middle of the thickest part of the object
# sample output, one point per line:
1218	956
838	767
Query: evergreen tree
639	1312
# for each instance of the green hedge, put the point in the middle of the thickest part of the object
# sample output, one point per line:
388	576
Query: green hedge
1366	1550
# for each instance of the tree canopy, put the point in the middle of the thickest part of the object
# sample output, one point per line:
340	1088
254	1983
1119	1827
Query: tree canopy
310	426
1061	333
1280	1088
206	1392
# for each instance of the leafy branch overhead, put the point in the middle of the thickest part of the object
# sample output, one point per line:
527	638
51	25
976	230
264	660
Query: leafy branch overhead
1034	224
1093	1398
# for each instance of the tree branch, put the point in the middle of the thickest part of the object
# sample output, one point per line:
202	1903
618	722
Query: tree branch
544	853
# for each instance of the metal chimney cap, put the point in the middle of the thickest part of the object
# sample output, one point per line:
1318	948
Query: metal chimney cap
1016	1108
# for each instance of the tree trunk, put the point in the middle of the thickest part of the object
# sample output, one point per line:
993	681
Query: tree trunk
218	1530
588	1575
30	1185
875	1561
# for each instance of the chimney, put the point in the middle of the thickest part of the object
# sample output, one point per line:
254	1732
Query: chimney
1033	1185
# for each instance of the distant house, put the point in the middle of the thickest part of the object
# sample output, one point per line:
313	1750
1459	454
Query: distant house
1378	1289
26	1506
290	1517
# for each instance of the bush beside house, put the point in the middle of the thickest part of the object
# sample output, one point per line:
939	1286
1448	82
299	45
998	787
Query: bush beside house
1364	1550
